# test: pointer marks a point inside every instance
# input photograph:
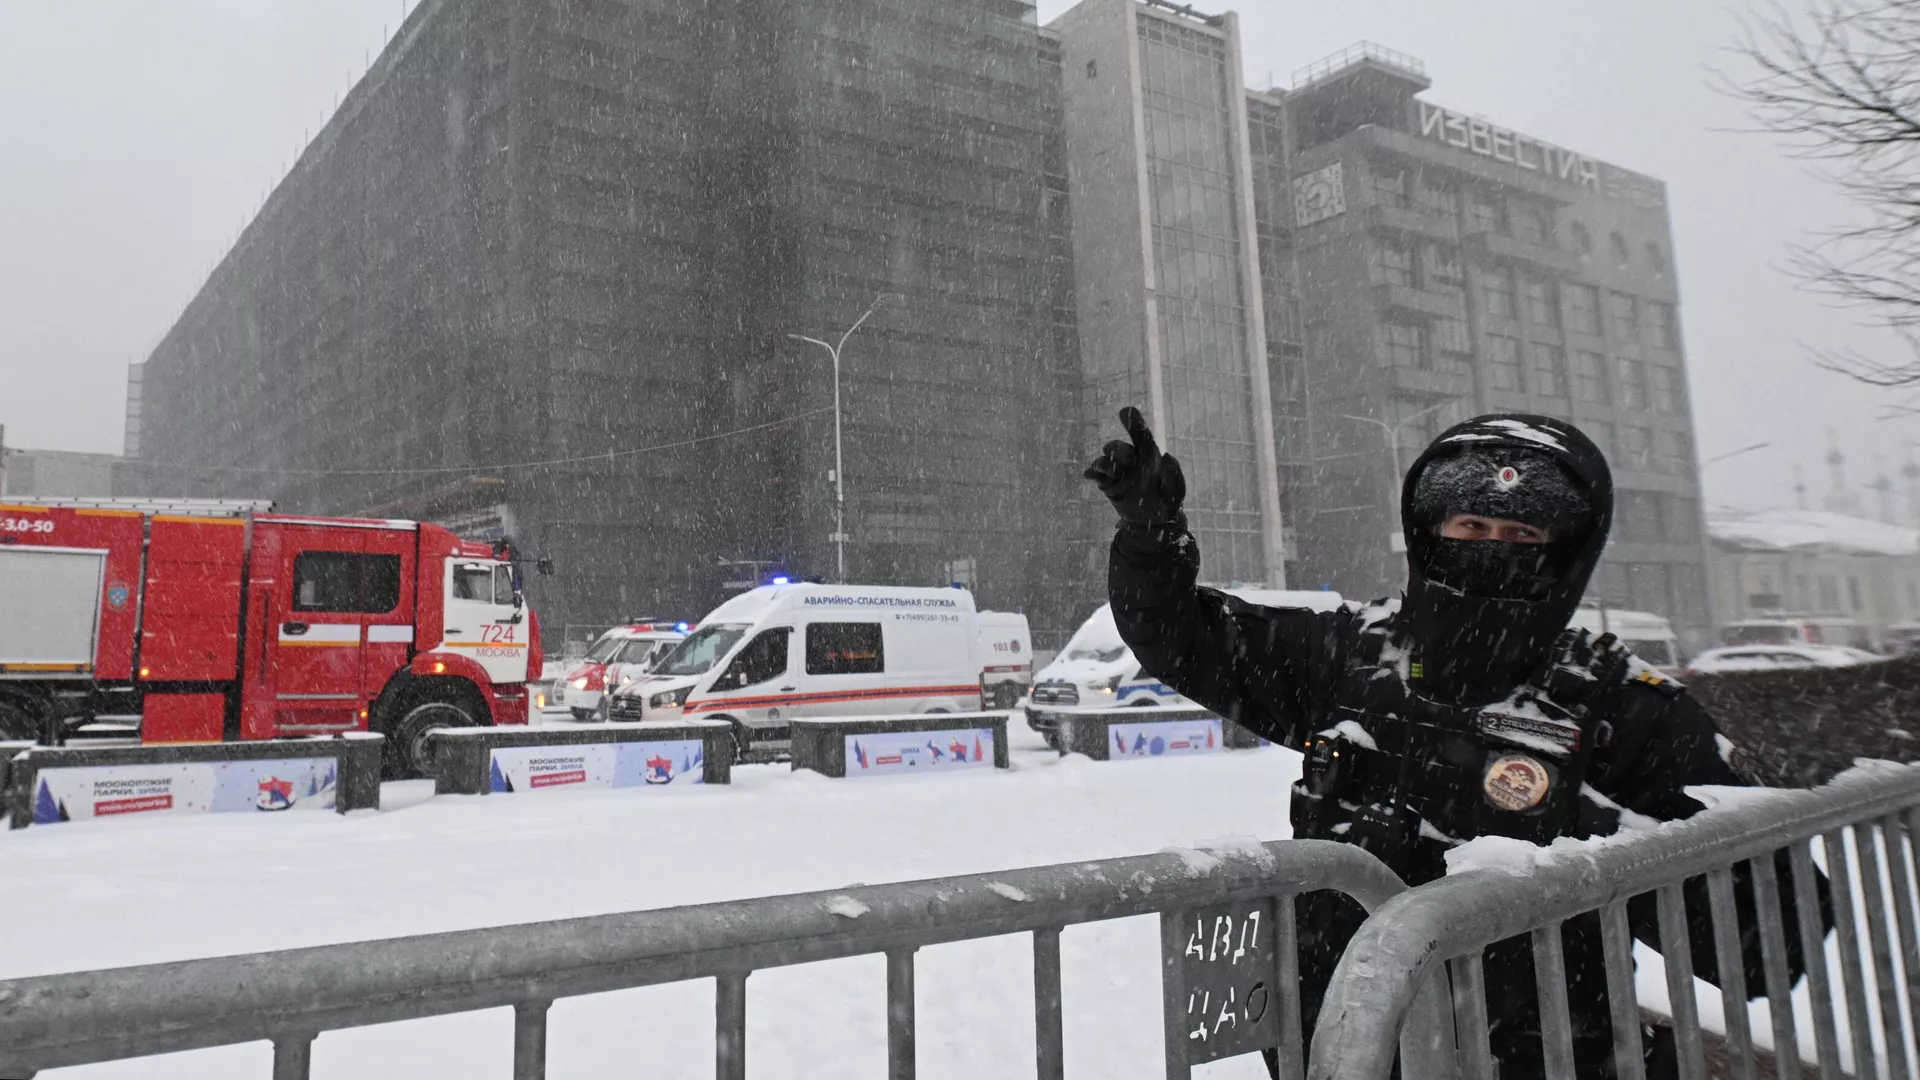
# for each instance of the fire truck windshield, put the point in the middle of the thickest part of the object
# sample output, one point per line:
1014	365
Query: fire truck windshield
473	581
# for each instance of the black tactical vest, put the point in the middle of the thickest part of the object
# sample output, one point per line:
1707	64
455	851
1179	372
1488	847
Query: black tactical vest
1407	777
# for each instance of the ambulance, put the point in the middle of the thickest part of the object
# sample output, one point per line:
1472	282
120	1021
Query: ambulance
619	656
798	650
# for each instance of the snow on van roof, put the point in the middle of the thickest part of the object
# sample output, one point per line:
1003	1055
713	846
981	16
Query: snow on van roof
753	602
1811	530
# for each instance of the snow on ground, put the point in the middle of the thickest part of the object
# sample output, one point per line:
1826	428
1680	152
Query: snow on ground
110	893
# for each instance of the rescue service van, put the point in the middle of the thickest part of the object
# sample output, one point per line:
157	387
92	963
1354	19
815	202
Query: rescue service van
1006	650
781	651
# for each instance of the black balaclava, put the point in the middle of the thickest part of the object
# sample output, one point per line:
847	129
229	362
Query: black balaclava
1481	615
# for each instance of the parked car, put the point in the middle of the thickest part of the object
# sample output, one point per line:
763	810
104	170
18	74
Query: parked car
1096	671
1797	630
1777	657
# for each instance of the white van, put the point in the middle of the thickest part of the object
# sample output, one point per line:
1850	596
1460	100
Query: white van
1097	671
1650	637
1006	656
781	651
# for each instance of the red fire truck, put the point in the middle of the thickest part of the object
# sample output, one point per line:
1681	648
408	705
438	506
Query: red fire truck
216	620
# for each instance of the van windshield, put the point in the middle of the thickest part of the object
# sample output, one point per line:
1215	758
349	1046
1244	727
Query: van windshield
604	649
1657	653
1104	656
1758	634
701	650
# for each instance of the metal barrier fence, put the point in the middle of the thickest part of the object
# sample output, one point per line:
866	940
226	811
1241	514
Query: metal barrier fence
1453	920
291	997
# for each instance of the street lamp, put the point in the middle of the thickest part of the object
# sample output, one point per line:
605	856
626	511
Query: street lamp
839	470
1393	431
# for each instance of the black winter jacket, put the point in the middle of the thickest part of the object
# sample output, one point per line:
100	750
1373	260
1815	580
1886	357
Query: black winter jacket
1409	776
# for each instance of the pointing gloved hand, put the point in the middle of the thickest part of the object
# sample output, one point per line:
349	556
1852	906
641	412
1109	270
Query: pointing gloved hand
1145	486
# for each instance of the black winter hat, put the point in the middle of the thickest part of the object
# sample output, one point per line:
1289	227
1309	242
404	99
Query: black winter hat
1515	483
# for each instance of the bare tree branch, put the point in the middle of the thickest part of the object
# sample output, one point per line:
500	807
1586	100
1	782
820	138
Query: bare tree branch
1841	84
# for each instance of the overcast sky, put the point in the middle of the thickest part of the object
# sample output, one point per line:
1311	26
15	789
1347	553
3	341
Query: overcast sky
140	136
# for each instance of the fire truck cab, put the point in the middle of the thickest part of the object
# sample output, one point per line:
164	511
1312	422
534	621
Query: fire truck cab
215	620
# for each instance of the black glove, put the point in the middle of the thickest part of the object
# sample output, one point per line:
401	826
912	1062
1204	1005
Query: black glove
1145	486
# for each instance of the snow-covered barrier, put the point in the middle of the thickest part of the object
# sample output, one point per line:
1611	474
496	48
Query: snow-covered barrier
8	751
918	744
1821	881
568	757
49	785
1117	734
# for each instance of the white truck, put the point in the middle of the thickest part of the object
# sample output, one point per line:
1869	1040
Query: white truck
781	651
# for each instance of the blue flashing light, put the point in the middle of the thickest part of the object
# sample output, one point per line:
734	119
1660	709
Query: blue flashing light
782	580
682	627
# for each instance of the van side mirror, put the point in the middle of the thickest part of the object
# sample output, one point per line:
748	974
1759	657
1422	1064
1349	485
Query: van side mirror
543	566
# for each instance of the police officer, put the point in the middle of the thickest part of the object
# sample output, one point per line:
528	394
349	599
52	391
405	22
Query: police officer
1466	708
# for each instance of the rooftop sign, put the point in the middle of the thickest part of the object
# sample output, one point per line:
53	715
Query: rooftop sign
1477	136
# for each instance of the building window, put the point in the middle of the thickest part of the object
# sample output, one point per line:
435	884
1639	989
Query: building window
1618	245
1671	453
1829	587
1683	520
1503	363
1624	312
1537	297
1436	199
1601	433
1665	327
1657	259
1589	377
1482	214
1443	268
1669	398
1650	591
1389	186
1392	264
1582	240
1547	377
1530	225
1633	384
1496	284
1640	518
1583	308
1636	448
1402	345
1450	336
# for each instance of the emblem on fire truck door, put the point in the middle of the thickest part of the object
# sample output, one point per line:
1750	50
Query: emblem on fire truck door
1516	782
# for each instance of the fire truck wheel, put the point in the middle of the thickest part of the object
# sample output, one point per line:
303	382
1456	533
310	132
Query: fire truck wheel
1006	695
407	750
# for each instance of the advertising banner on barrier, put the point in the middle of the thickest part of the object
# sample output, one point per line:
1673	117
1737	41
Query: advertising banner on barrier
1162	737
919	751
597	765
93	791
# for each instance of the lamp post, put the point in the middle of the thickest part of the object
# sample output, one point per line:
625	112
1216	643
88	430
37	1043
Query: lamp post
839	469
1393	431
